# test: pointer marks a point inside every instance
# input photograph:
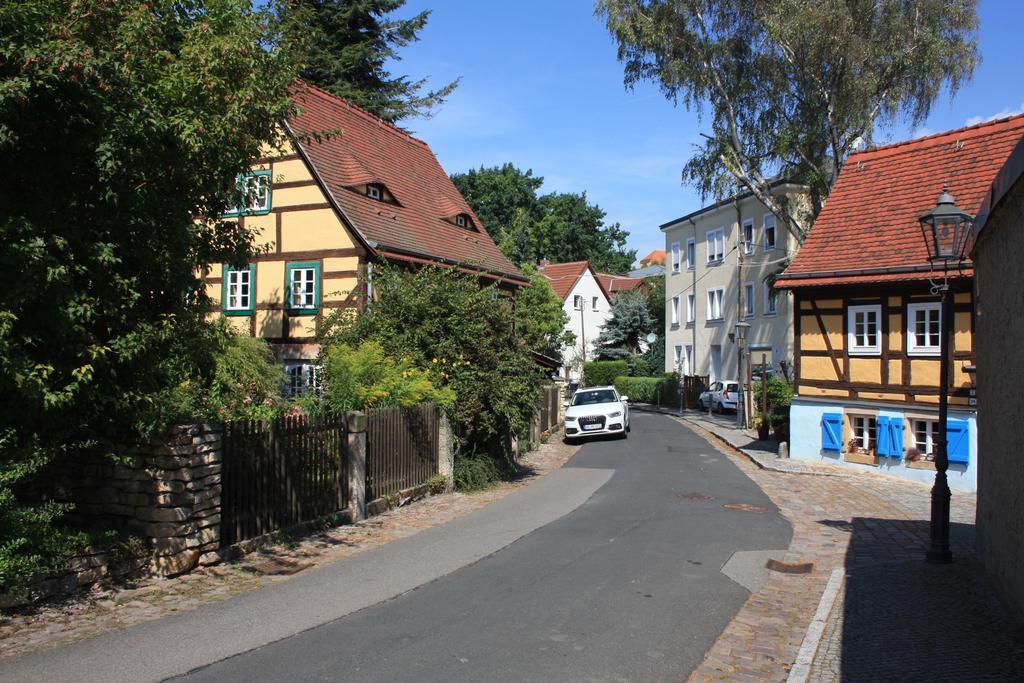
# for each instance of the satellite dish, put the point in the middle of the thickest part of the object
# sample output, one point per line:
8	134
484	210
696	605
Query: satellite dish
651	338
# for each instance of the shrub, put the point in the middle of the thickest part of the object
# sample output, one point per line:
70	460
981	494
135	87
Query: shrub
603	372
363	377
780	396
639	389
641	367
475	472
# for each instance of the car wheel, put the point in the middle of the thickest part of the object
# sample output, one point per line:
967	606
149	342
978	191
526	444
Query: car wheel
627	427
716	408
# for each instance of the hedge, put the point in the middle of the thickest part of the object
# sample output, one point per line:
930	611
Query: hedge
601	373
639	389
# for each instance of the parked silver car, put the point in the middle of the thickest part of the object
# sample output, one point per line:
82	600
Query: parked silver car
720	396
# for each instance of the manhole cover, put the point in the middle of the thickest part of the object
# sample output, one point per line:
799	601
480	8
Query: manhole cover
693	496
789	568
743	507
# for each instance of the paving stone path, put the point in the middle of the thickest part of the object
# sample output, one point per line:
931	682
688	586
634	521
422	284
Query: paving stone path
108	607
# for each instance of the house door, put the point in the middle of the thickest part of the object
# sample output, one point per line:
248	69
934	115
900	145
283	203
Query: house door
716	363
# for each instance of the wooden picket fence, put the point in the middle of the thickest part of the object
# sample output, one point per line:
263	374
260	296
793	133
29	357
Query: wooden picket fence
279	473
402	448
549	409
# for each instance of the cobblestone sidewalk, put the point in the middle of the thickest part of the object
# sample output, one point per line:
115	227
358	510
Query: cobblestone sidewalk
855	521
111	607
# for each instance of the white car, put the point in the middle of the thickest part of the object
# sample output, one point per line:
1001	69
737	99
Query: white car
720	396
597	410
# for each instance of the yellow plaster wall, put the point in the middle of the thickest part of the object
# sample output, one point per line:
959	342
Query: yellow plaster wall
829	303
895	332
895	301
924	372
962	331
962	298
239	323
805	305
820	391
926	398
270	323
301	326
816	367
293	196
961	378
810	333
291	171
216	270
312	230
879	396
341	263
895	372
214	293
867	370
263	229
338	289
270	282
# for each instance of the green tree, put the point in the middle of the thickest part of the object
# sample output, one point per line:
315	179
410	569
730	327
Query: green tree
349	43
792	86
503	197
572	229
123	126
541	317
629	324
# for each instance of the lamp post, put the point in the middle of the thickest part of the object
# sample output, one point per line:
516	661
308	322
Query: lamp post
945	230
741	341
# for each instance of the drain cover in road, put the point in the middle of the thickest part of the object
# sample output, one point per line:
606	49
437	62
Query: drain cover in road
744	507
788	567
693	495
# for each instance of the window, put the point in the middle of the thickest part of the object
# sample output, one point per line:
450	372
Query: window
864	335
865	432
769	232
302	378
771	301
691	304
926	433
577	302
677	357
716	245
254	191
675	310
593	303
675	257
238	295
923	329
715	304
303	287
748	237
748	300
375	191
691	253
688	370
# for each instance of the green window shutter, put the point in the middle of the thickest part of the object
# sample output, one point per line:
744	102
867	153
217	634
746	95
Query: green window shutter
831	431
957	443
248	294
302	285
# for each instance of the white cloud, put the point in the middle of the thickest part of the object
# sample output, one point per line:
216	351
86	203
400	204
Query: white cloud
921	132
975	120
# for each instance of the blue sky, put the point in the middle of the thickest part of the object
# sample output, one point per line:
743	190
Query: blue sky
542	88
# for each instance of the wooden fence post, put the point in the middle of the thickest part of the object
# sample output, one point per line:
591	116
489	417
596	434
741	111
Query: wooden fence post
355	462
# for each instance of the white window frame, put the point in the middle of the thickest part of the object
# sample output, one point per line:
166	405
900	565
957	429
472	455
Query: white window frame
577	302
235	296
747	235
691	253
769	219
691	307
927	447
854	348
677	357
860	430
715	299
913	349
461	221
307	372
689	359
302	299
716	245
771	301
373	191
593	303
676	257
675	310
749	304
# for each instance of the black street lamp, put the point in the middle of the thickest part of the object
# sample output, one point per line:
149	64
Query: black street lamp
945	230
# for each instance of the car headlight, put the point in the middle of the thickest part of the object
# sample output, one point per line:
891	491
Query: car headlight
570	418
617	413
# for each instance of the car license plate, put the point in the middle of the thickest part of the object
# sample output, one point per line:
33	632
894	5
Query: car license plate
589	427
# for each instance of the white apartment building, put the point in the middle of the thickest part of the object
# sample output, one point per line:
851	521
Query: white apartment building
717	259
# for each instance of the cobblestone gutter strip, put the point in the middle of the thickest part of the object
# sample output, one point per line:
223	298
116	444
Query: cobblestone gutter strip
801	670
112	607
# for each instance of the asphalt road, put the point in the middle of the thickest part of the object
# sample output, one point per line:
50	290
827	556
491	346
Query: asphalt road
626	586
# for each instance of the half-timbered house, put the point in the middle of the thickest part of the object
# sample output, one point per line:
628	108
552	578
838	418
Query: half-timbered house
866	318
349	191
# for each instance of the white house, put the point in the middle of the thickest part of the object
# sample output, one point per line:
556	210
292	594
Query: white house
588	305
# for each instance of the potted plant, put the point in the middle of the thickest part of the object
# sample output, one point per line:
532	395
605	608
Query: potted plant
763	428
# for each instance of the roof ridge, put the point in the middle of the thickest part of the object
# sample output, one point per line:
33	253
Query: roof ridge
365	114
934	136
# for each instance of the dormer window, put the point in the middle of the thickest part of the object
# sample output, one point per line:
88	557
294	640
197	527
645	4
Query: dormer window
375	191
463	221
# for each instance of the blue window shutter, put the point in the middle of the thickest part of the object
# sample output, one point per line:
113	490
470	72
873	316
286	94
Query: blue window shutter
884	438
831	429
956	441
896	438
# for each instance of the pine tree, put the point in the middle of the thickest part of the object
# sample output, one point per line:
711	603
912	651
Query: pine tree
630	322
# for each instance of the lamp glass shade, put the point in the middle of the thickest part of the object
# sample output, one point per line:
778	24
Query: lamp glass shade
741	331
945	230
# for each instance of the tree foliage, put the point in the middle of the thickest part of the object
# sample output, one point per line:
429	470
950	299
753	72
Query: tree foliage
628	325
121	124
792	86
557	226
541	317
348	45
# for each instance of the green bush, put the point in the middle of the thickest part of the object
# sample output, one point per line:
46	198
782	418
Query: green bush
639	389
475	472
601	373
641	366
780	397
363	377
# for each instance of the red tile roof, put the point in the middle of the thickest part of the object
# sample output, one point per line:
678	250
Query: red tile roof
368	150
868	230
618	283
657	256
564	276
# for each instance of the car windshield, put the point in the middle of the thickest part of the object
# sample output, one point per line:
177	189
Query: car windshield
586	398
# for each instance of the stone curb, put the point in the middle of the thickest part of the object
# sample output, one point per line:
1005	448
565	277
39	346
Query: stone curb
801	669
